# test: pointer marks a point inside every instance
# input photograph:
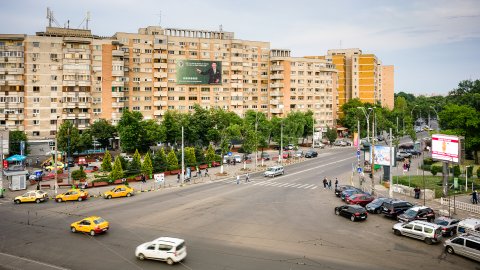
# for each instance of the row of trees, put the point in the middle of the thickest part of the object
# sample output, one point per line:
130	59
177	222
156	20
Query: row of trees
458	113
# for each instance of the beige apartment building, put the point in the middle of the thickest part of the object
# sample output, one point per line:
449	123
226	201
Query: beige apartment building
388	83
72	75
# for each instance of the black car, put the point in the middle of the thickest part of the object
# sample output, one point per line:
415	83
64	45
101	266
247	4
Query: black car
340	188
349	192
311	153
376	205
448	225
395	208
417	213
353	212
71	162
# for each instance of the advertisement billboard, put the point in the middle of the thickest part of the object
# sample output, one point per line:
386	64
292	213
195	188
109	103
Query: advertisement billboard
383	155
445	147
199	72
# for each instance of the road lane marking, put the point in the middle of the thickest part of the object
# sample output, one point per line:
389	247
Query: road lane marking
34	261
314	187
303	186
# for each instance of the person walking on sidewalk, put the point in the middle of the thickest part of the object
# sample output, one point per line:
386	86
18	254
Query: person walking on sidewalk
417	193
330	184
336	183
238	179
247	178
178	178
325	183
206	172
475	197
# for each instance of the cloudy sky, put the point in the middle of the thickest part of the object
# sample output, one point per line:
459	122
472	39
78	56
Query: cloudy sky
433	44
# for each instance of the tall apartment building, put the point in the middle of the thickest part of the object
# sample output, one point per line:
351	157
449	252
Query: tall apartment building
388	82
72	75
360	76
302	84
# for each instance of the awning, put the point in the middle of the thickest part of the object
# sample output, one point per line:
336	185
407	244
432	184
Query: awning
16	158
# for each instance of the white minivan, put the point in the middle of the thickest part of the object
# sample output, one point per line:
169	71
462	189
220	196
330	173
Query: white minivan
168	249
274	171
468	225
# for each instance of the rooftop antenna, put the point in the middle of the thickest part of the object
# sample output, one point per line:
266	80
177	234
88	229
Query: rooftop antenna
160	18
221	28
51	18
340	43
86	20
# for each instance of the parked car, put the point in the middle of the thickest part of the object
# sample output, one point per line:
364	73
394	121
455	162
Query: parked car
353	212
265	156
91	169
395	208
349	192
311	153
274	171
417	213
215	163
168	249
360	199
92	225
468	224
72	195
376	205
425	231
340	188
289	147
118	191
52	166
467	245
448	225
298	154
37	196
340	143
33	175
71	162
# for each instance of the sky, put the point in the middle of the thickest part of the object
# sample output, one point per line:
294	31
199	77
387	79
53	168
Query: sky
433	44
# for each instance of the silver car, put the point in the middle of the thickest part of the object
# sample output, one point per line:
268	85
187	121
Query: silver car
428	232
467	245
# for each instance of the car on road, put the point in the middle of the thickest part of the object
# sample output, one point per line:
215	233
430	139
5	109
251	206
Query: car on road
425	231
448	225
311	153
395	208
340	188
349	192
92	225
72	195
467	245
274	171
33	175
353	212
52	166
37	196
168	249
340	143
376	205
265	156
289	147
417	213
91	169
360	199
119	191
298	154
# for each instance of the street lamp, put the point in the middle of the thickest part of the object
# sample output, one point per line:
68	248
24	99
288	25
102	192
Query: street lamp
256	139
367	116
438	118
466	177
56	155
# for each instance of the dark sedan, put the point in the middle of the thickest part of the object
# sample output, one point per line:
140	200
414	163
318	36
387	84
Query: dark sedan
339	189
448	225
376	205
349	192
311	153
353	212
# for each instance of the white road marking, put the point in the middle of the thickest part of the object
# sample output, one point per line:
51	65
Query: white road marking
314	187
309	186
303	186
34	261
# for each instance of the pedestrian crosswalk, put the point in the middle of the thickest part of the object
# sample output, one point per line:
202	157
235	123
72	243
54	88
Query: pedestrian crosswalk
4	200
271	183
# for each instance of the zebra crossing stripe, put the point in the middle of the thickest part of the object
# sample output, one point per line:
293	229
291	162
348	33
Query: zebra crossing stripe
314	187
309	186
302	186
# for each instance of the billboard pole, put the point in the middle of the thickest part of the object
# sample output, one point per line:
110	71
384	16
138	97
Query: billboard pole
390	189
373	156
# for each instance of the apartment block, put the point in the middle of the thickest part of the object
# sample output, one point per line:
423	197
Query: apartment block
388	82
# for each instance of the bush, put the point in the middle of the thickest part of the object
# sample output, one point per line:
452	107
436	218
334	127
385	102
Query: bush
102	179
79	174
428	161
426	167
435	169
456	171
470	171
478	172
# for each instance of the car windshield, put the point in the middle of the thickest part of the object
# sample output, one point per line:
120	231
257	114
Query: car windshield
441	222
377	202
271	169
411	213
99	220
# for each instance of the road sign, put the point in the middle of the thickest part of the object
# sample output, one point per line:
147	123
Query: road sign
229	154
358	153
359	169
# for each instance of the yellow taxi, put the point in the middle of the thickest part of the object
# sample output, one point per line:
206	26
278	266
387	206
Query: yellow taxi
51	167
91	225
119	191
37	196
72	195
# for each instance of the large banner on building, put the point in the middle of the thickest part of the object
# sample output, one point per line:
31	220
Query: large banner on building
384	156
199	72
445	147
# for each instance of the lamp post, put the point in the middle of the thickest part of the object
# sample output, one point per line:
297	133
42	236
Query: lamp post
68	155
438	118
367	116
256	139
466	177
183	161
281	142
56	155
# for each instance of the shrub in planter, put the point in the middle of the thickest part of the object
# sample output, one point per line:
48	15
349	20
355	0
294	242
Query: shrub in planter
426	167
456	171
78	174
435	169
428	161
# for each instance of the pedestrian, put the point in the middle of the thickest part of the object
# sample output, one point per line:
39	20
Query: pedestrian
417	193
199	172
37	161
178	178
143	178
247	178
325	183
330	184
475	197
206	172
336	183
238	179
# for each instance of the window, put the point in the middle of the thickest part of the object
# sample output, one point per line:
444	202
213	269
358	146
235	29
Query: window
428	230
472	244
417	228
36	44
36	89
408	226
459	241
36	122
147	108
36	133
151	247
53	110
36	100
181	98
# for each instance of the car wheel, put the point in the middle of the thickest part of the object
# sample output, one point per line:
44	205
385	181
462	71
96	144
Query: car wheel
169	261
109	197
17	201
428	241
92	233
449	250
72	229
37	201
352	218
141	257
80	199
378	211
59	200
129	194
337	212
397	232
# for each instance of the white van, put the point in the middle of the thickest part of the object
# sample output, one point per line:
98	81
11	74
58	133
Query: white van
169	249
467	245
469	224
274	171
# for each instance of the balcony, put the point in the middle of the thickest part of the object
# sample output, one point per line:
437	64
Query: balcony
276	111
14	82
160	103
160	65
276	68
160	94
160	55
117	73
236	50
274	102
159	112
236	85
118	84
236	59
276	77
276	85
118	53
237	77
236	102
276	94
118	94
160	74
158	46
159	84
118	104
236	67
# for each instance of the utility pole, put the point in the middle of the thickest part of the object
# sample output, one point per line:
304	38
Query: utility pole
373	158
256	139
390	178
56	156
281	142
183	160
1	162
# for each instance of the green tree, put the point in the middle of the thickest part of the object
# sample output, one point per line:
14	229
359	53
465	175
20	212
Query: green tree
79	174
172	125
86	141
190	159
68	138
210	157
147	167
130	130
136	164
160	161
200	155
102	131
125	163
15	137
107	162
172	161
117	171
152	133
331	135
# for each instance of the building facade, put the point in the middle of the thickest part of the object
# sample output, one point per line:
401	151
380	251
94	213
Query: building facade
388	83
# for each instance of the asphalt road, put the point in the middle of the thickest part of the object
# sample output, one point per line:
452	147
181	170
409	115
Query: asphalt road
286	222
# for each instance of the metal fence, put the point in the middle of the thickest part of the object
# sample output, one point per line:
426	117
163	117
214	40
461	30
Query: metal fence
469	207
